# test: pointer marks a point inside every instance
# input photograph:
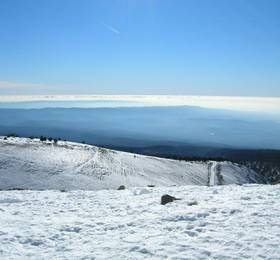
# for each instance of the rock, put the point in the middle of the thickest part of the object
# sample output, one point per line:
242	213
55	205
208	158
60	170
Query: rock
17	189
192	203
122	187
167	198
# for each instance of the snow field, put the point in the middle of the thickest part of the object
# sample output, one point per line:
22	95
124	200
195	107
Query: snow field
228	222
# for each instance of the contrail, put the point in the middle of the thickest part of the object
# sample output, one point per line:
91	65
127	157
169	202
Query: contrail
110	28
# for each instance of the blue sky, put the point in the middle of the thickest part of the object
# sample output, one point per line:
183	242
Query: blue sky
188	47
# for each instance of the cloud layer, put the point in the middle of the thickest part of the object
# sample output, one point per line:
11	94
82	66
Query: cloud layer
254	104
15	85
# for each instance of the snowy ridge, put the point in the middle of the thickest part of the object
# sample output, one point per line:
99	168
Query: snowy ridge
32	164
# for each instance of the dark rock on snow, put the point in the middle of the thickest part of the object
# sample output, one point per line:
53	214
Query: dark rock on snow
192	203
167	198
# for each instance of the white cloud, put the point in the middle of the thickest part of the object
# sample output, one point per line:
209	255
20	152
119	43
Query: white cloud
15	85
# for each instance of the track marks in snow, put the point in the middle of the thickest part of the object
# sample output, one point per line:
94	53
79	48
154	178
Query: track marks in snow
215	176
212	172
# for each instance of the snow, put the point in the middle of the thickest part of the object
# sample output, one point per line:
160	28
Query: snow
32	164
90	219
212	174
228	222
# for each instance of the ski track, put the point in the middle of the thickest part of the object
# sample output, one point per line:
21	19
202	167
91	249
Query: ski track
228	222
212	173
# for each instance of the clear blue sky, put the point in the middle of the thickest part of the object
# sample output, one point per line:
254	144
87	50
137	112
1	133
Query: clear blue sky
190	47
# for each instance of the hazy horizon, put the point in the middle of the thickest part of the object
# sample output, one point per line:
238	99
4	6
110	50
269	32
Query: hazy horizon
264	105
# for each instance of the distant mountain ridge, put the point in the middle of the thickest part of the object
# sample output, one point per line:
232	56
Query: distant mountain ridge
146	126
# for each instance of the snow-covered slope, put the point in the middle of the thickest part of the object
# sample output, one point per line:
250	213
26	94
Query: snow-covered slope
32	164
228	222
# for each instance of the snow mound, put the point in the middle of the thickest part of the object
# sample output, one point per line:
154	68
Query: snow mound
141	191
32	164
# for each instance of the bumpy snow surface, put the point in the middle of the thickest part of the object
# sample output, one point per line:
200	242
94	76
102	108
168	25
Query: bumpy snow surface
32	164
221	222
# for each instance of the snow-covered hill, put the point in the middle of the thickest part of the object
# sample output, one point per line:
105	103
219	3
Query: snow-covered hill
32	164
228	222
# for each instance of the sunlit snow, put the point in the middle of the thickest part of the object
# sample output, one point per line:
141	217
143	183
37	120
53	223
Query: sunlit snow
228	222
